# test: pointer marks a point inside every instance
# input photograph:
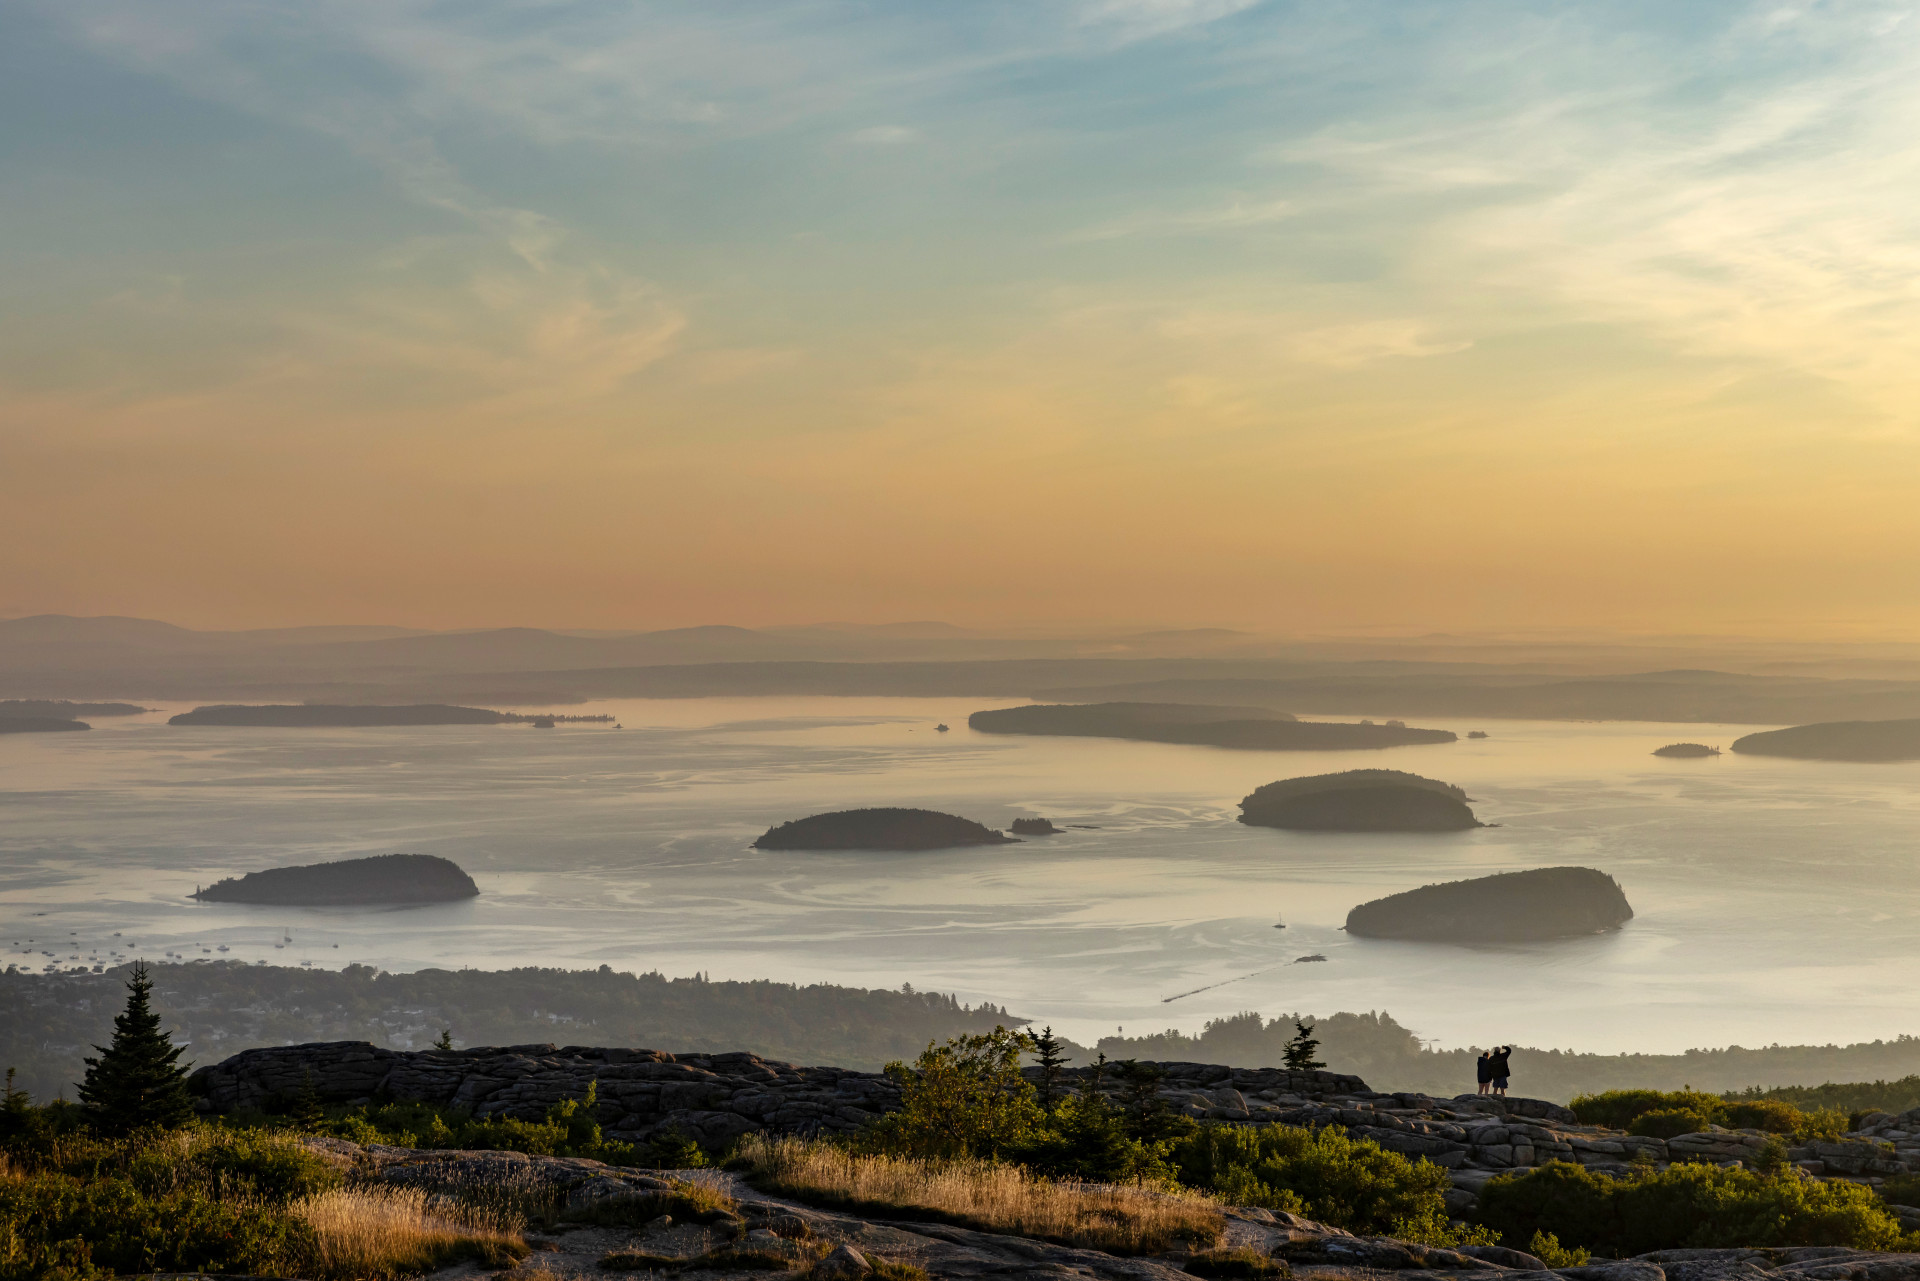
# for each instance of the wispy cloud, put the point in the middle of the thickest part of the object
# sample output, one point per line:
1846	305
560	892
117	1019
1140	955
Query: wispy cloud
1234	216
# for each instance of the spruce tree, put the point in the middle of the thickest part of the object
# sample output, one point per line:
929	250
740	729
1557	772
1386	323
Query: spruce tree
136	1083
1301	1048
1046	1052
1148	1115
306	1111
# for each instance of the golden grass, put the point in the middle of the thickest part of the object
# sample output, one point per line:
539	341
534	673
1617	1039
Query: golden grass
995	1198
369	1233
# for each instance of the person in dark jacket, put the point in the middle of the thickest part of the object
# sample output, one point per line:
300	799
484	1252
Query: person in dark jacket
1483	1068
1498	1065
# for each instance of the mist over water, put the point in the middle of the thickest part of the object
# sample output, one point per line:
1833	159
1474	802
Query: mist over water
1777	900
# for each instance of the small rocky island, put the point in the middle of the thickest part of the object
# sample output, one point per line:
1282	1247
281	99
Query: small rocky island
1837	741
1511	907
385	880
39	724
880	829
1254	728
1686	749
1360	800
1035	827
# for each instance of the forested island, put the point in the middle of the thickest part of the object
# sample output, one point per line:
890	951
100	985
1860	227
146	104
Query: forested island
1361	800
1686	749
1511	907
64	709
344	716
884	828
1034	827
396	880
40	724
1199	724
1838	741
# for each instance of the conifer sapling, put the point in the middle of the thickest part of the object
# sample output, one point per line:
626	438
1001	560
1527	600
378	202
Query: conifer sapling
1046	1052
137	1083
1300	1049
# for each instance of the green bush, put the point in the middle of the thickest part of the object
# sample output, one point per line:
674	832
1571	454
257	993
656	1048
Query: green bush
1618	1109
569	1129
967	1098
1323	1174
1771	1115
962	1099
56	1223
1546	1247
1082	1137
1691	1206
1667	1123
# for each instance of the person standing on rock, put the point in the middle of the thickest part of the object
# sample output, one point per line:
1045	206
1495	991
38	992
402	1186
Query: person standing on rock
1497	1063
1483	1068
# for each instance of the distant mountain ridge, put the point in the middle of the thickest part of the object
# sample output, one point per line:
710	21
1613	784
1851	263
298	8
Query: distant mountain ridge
56	656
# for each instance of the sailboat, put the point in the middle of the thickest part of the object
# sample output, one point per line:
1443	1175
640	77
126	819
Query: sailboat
1279	925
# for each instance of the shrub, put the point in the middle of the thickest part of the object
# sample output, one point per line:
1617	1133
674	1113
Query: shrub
1617	1109
1324	1174
49	1221
1683	1207
962	1099
1546	1247
1084	1138
1667	1123
569	1129
1770	1115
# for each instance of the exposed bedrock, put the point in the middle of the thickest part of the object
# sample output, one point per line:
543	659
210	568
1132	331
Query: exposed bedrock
716	1097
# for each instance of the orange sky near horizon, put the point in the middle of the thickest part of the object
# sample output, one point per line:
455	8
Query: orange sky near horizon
1182	314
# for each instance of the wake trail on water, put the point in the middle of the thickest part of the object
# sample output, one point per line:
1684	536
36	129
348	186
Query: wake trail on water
1168	1000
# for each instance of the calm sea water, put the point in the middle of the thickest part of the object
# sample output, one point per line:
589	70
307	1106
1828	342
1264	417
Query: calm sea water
1777	901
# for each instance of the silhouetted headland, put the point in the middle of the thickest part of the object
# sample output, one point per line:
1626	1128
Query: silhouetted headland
1035	827
1544	903
1838	741
383	880
39	724
11	708
1686	749
342	716
1360	800
880	829
1199	724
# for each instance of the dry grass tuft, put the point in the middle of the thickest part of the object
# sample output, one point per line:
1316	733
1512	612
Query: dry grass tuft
994	1198
539	1270
371	1234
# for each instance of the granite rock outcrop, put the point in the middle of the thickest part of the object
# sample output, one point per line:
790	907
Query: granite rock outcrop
716	1097
1313	1251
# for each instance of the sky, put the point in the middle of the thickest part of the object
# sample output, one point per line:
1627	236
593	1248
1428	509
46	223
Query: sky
1293	316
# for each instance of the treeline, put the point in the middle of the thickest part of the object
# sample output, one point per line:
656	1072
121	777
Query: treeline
1390	1057
48	1022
